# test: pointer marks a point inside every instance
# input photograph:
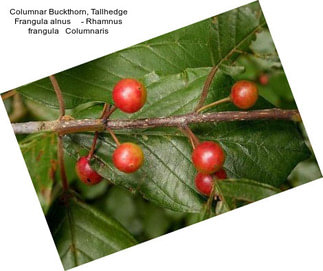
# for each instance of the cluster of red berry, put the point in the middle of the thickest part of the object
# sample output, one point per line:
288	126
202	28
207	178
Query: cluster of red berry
208	157
129	95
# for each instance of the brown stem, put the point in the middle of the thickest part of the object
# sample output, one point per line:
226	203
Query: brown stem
91	152
224	100
104	110
96	135
206	87
188	136
86	125
194	140
108	113
8	94
59	95
116	140
60	155
105	117
192	143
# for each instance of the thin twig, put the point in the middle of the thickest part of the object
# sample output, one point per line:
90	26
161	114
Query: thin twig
105	118
116	140
108	113
206	87
187	135
194	140
96	135
60	155
224	100
106	108
8	94
86	125
95	138
59	95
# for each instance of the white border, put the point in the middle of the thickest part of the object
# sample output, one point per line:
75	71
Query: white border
282	232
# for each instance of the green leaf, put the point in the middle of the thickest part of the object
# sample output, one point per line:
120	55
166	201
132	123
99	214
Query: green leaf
83	234
40	111
235	30
40	155
246	190
143	219
306	171
264	50
90	193
278	91
155	221
265	151
203	44
121	205
179	93
8	103
170	95
232	70
263	56
233	191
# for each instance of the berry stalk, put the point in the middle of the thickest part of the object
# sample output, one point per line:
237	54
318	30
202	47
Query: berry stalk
192	137
106	112
114	137
60	155
224	100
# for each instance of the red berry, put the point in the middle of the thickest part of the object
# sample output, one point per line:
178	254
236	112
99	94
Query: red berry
244	94
263	79
86	174
203	182
129	95
221	174
208	157
128	157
